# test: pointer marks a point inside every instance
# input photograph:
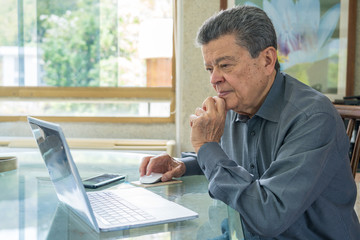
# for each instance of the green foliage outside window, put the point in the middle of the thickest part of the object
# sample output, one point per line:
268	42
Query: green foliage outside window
71	46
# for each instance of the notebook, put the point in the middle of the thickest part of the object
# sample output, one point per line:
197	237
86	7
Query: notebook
145	207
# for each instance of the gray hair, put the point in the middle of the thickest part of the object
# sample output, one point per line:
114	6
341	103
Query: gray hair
253	29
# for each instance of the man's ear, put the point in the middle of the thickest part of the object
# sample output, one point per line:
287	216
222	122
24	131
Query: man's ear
270	57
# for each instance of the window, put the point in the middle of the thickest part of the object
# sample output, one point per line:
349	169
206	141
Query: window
87	60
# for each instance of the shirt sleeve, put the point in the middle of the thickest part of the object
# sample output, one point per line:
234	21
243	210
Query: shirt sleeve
303	166
191	164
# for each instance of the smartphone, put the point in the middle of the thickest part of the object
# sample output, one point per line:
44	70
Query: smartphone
102	180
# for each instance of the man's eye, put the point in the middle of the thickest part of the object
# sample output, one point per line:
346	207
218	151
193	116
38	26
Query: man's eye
209	70
224	65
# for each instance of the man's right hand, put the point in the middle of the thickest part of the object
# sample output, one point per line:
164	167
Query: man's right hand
163	163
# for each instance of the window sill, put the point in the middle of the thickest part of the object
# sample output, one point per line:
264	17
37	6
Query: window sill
170	119
167	146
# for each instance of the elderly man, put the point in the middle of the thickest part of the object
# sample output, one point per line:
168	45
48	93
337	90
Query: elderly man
271	147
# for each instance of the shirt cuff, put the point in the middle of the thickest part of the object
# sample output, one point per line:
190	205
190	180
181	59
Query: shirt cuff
191	165
209	155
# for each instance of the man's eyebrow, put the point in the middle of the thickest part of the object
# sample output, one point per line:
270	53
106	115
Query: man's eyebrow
231	58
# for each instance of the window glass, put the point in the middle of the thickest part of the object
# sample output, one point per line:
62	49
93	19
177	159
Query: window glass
87	44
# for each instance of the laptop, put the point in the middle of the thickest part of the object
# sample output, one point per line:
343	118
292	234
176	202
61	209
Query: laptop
135	206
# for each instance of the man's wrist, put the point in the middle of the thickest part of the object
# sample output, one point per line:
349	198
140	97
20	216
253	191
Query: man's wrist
197	147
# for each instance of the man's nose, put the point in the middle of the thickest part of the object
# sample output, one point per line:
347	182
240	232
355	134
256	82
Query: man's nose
216	77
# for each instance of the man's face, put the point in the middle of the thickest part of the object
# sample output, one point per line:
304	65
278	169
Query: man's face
242	81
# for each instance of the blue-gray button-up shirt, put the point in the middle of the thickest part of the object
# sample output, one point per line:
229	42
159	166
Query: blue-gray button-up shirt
286	170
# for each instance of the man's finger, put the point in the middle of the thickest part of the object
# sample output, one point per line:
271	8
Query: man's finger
166	176
199	111
192	118
177	172
149	168
170	174
143	165
209	105
220	104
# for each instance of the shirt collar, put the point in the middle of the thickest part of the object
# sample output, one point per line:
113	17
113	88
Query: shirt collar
241	118
271	107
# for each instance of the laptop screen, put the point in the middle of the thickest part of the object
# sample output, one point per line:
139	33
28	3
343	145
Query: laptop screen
62	170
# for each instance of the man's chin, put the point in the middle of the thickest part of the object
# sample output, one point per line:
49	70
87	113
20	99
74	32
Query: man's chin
227	107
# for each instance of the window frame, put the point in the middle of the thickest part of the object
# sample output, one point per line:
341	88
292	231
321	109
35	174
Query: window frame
98	93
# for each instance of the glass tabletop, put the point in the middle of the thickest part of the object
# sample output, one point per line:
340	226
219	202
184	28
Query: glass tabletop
30	209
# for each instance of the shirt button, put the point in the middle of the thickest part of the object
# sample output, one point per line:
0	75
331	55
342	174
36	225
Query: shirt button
252	133
252	166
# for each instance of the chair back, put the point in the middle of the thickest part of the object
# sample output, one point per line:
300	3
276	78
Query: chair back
351	115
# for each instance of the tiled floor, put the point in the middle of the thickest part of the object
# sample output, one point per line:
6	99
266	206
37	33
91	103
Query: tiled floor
357	204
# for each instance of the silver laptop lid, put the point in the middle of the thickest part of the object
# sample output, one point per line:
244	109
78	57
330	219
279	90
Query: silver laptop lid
62	170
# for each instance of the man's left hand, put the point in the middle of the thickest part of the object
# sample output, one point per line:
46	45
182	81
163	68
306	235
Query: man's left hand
207	124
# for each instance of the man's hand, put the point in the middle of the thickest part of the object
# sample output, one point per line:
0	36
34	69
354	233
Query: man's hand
163	163
207	124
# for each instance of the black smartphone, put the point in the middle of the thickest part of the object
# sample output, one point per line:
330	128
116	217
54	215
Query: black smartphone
101	180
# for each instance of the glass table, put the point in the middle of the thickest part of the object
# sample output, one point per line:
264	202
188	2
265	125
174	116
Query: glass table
30	209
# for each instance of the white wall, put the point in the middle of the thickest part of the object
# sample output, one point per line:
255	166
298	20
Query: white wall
193	83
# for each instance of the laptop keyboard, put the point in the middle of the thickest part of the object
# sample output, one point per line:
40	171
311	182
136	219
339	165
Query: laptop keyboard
116	210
